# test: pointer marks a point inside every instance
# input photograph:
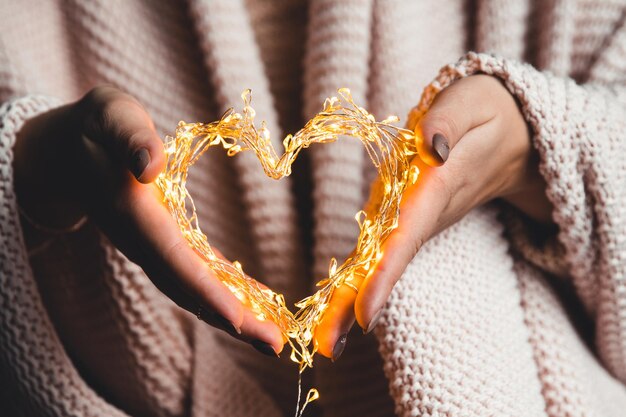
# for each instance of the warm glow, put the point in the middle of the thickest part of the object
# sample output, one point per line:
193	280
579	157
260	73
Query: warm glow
390	149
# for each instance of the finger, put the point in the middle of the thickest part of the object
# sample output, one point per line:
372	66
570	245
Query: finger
263	335
144	230
455	111
332	332
255	329
120	124
420	213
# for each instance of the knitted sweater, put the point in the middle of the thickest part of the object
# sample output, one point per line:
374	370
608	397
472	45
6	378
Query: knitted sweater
486	320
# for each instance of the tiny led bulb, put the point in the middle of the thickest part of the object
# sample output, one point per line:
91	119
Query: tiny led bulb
390	149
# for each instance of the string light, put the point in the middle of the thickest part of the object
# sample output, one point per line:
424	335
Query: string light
390	149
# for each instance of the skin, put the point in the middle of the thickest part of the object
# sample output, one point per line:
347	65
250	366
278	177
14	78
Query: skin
491	156
78	160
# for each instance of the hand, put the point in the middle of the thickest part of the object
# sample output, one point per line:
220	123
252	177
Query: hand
98	157
474	147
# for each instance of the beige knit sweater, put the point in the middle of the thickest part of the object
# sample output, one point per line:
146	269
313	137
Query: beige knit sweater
485	321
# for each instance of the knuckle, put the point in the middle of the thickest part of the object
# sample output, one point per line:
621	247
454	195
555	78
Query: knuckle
111	110
439	121
173	250
102	104
98	98
178	252
391	268
417	245
94	97
97	112
444	184
383	268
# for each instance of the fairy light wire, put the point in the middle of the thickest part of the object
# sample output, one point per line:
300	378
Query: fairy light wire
390	149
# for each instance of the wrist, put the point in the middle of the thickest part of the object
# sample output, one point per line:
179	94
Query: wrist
41	171
530	195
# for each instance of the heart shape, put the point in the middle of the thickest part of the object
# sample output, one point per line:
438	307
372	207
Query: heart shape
390	149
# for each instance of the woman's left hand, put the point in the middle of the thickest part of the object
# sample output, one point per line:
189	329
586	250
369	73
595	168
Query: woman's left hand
474	147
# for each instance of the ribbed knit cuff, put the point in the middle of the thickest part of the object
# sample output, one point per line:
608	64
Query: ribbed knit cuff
13	115
41	378
540	96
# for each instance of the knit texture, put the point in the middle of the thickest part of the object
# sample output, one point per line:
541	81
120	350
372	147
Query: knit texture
480	323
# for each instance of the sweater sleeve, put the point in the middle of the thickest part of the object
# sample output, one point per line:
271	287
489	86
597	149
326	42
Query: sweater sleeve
116	314
34	366
579	132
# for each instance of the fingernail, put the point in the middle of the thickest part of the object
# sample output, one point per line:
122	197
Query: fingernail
339	347
226	324
139	162
373	322
441	147
218	320
264	348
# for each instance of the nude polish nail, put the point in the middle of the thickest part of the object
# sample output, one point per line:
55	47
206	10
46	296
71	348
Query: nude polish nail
340	345
441	147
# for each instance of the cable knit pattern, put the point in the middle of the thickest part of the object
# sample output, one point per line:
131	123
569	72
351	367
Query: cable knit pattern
578	167
119	316
339	35
480	323
225	37
337	55
445	361
35	367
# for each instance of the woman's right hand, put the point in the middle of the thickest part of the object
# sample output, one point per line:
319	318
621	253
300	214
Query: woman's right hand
98	157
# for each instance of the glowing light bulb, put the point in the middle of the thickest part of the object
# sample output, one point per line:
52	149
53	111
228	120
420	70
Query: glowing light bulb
390	149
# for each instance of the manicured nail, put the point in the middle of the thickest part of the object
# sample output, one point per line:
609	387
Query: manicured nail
227	325
339	347
264	348
373	322
218	320
139	162
441	147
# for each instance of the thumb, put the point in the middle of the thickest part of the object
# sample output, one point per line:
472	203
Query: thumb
119	124
453	113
